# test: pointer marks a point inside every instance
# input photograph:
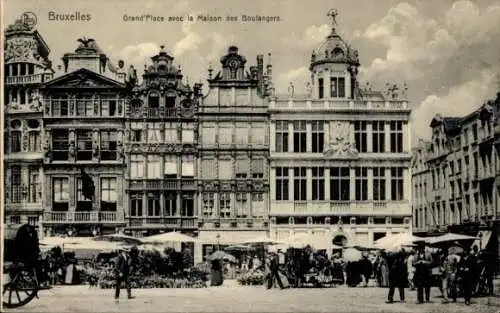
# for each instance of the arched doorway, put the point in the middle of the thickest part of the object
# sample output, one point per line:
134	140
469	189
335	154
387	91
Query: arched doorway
340	240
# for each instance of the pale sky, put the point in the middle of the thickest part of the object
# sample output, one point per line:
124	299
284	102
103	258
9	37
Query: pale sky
446	51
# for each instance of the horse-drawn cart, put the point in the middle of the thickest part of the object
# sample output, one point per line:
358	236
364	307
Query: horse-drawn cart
20	282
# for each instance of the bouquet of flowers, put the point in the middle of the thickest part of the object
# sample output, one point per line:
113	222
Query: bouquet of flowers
252	278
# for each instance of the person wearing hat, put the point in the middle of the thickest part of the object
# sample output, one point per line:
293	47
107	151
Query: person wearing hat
466	271
422	278
450	268
273	271
123	269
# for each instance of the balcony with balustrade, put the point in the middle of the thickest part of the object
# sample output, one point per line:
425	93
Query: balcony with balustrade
163	184
344	208
163	222
84	217
28	79
338	105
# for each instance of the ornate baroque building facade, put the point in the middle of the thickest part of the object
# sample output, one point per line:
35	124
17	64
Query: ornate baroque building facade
340	155
26	67
460	166
160	146
84	122
234	148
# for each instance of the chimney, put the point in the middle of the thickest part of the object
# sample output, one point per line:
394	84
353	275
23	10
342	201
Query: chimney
260	73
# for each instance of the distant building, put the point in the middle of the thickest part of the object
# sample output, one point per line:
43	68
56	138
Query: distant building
234	150
26	66
160	146
84	123
340	154
460	165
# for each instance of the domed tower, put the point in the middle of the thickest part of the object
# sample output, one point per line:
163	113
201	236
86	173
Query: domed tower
334	66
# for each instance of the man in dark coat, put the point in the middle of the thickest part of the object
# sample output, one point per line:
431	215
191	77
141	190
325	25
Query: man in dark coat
274	272
27	246
466	272
423	275
397	275
123	270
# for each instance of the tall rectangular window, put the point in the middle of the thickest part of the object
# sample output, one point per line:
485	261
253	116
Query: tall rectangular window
360	135
241	204
225	204
59	107
82	204
397	183
187	166
300	183
188	133
378	137
396	136
208	168
361	183
281	136
318	183
225	134
208	134
170	204
258	168
108	145
108	107
84	107
299	136
339	184
242	134
318	136
187	204
136	132
108	194
170	166
34	141
136	166
15	184
154	166
171	133
208	204
60	144
225	169
321	88
153	204
60	194
136	208
34	176
337	87
84	145
15	141
155	132
282	183
379	184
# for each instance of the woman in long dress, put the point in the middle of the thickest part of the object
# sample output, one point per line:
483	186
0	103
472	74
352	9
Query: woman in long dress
384	272
216	273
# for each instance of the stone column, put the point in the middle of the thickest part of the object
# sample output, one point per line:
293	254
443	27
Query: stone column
272	136
369	139
326	87
309	184
387	133
290	136
406	184
290	184
308	136
352	185
370	183
388	193
327	184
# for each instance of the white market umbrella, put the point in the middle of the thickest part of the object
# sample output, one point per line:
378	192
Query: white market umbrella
168	237
303	240
264	240
119	238
238	248
450	237
54	241
94	245
398	241
352	255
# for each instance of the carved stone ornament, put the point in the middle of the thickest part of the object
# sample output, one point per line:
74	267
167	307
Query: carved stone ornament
21	49
225	186
340	144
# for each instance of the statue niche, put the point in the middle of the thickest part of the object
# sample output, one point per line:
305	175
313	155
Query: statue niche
340	143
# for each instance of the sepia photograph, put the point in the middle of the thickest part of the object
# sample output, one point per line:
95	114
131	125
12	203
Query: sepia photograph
250	156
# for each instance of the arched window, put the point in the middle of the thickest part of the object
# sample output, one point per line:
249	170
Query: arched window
15	136
154	99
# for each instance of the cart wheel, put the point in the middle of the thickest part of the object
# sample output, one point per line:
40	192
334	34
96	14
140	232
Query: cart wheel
20	290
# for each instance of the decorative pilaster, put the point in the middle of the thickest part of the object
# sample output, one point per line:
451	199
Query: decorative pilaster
369	139
327	183
387	133
352	184
388	183
95	145
370	183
